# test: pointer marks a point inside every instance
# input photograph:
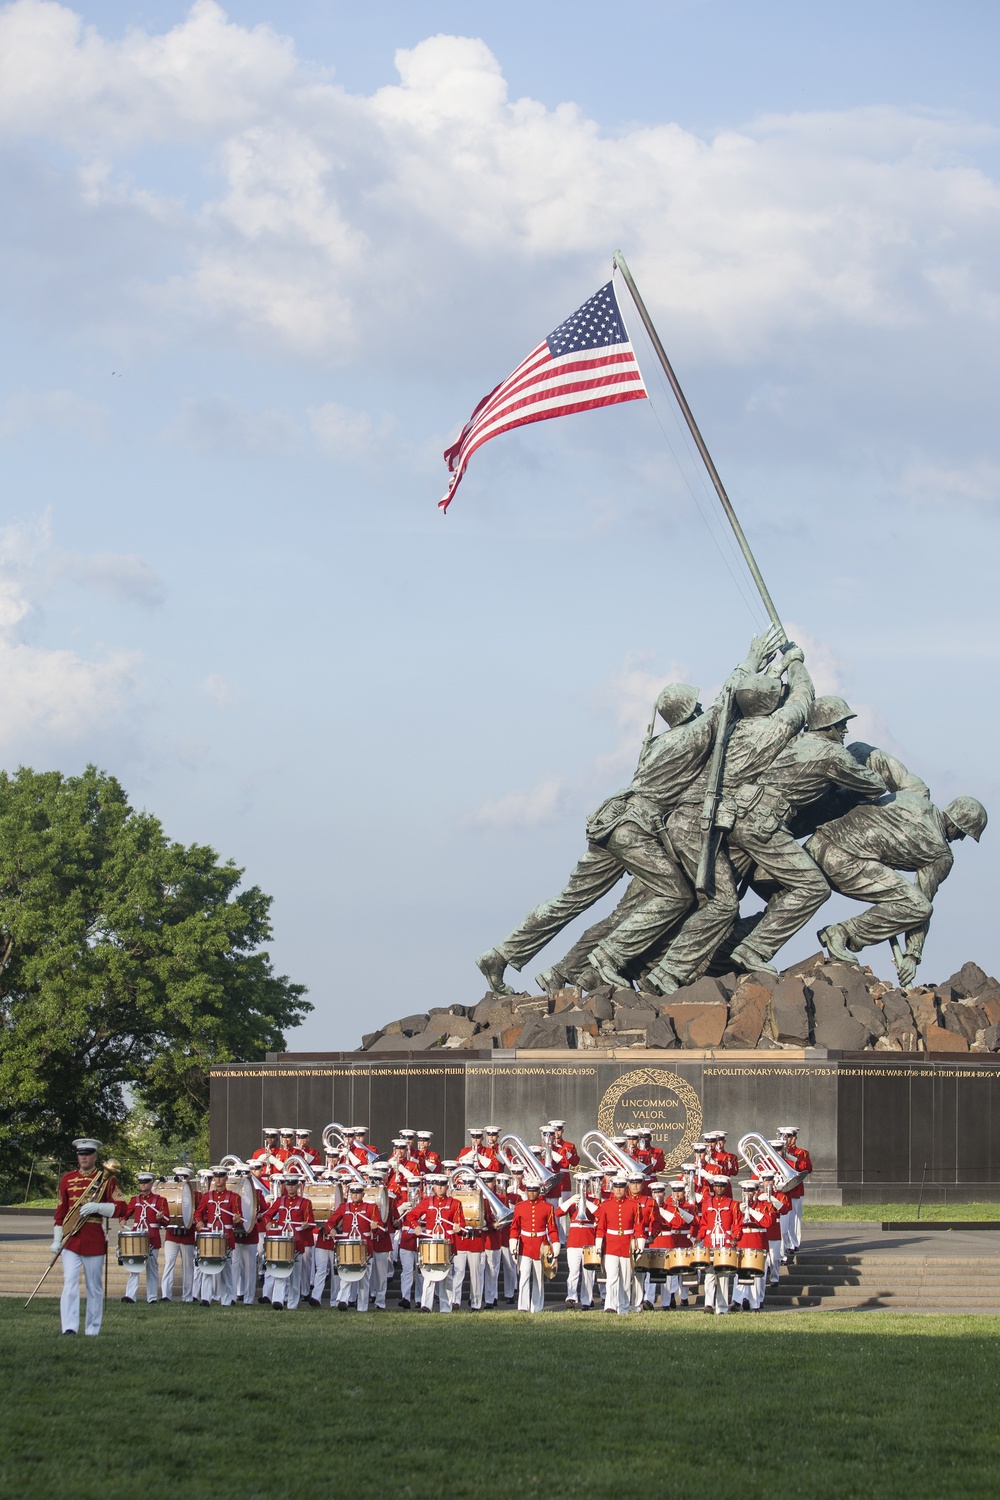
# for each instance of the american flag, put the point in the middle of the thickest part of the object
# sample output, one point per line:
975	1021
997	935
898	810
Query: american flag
587	361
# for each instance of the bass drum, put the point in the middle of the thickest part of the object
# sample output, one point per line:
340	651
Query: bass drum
244	1190
324	1197
180	1200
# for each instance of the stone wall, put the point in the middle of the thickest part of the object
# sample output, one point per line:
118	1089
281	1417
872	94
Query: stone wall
816	1003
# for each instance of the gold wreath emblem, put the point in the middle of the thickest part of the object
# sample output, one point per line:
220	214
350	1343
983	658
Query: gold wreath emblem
670	1083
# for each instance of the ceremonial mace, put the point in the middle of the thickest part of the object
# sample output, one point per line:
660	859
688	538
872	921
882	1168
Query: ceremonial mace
705	879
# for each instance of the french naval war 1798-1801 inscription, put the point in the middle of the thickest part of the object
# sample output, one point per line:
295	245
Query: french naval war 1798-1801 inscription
659	1101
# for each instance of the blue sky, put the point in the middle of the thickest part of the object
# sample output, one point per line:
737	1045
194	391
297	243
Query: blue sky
256	272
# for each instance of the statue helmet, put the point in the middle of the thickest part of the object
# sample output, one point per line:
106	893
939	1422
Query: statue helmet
677	703
968	815
828	711
760	696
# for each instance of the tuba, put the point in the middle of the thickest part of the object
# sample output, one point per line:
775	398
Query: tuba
335	1138
300	1165
758	1155
517	1154
611	1159
502	1212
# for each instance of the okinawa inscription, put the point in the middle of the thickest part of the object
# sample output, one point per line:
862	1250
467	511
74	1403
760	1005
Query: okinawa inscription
658	1101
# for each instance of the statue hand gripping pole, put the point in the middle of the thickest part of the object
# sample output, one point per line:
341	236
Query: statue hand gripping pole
705	880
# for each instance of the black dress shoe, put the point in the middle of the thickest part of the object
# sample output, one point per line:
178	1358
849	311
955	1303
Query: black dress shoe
265	1299
69	1331
129	1299
404	1302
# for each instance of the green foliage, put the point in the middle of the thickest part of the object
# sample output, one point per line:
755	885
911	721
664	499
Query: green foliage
181	1401
129	964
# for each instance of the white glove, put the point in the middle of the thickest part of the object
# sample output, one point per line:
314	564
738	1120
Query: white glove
56	1244
89	1209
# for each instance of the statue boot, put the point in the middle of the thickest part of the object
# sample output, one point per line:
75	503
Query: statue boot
491	965
835	939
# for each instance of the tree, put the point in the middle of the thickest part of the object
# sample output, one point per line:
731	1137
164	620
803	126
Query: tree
129	964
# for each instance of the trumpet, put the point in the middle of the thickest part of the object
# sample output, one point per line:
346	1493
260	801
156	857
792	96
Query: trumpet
517	1154
758	1155
611	1159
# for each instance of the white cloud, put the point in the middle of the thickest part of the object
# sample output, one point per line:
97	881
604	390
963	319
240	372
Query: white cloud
943	485
341	433
831	674
343	219
213	422
543	804
218	690
57	411
53	698
122	577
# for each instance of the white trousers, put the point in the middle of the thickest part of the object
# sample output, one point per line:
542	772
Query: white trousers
92	1267
443	1289
580	1281
638	1289
795	1232
774	1262
171	1254
716	1292
509	1272
324	1267
378	1277
245	1273
617	1283
152	1273
491	1276
672	1287
287	1290
472	1261
530	1285
219	1287
410	1278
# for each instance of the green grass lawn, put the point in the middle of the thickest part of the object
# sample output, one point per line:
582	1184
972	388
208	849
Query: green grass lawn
181	1401
876	1212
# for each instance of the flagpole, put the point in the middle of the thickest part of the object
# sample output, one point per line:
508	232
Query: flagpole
720	488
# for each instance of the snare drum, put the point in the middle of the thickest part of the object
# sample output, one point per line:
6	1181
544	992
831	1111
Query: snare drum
435	1259
279	1255
352	1259
591	1257
210	1251
133	1247
678	1259
752	1263
655	1262
725	1258
701	1257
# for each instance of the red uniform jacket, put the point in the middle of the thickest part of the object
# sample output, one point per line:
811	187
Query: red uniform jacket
252	1236
619	1223
579	1236
480	1159
311	1155
782	1205
148	1211
429	1161
438	1216
350	1223
477	1240
724	1161
383	1230
684	1217
666	1227
756	1222
565	1157
496	1238
532	1225
650	1157
290	1216
220	1211
799	1161
720	1222
90	1238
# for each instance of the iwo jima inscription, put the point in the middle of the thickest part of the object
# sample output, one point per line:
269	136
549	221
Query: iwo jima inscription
759	792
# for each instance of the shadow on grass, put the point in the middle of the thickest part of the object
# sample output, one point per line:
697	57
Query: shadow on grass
182	1401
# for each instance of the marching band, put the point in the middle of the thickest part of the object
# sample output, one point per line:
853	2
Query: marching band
305	1226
